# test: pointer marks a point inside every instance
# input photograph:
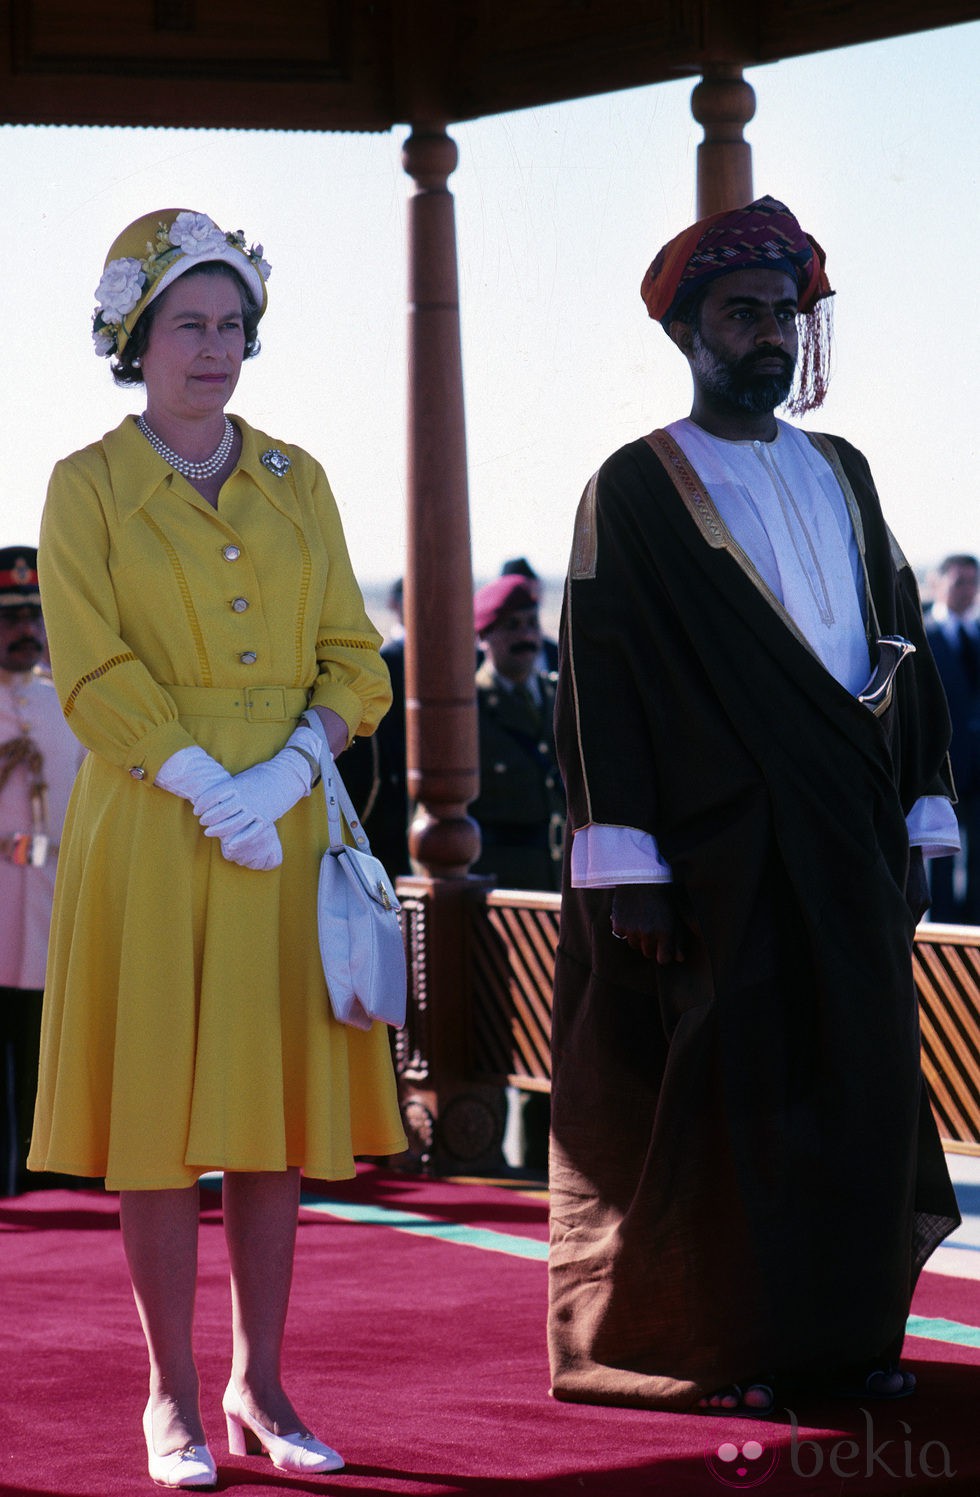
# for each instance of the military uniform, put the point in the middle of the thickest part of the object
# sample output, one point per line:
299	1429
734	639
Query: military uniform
39	757
376	776
521	805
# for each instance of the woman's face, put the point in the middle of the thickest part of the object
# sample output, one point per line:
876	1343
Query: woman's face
194	353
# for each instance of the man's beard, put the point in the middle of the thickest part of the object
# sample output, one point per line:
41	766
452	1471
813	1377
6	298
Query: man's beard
735	380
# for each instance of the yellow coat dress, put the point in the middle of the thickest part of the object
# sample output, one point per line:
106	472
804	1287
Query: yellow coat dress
186	1020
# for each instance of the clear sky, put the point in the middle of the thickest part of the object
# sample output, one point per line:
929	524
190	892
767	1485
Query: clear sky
559	211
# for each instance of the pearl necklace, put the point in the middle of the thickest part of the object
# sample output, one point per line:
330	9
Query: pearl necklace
206	469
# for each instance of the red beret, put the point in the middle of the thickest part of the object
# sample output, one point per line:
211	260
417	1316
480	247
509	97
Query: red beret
502	595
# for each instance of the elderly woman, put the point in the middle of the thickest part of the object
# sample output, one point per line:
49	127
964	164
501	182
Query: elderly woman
200	598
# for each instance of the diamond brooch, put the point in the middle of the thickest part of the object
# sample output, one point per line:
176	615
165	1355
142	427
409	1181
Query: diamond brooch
277	462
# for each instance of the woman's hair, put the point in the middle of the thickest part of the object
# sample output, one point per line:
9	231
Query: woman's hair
126	365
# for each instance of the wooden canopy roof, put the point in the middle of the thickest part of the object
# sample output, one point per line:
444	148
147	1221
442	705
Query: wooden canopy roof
371	64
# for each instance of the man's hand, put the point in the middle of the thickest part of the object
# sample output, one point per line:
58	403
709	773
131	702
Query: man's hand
646	916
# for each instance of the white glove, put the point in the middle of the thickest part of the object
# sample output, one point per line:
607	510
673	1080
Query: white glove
191	772
270	789
255	845
245	838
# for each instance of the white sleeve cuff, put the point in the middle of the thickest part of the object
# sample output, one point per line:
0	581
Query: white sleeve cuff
932	826
605	856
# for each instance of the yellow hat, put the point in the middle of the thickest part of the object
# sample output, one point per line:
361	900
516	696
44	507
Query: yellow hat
150	254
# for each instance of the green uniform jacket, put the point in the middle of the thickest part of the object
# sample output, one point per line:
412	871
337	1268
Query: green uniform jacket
521	805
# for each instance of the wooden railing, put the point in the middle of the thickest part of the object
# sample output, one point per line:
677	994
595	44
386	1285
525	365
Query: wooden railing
513	940
502	1024
946	962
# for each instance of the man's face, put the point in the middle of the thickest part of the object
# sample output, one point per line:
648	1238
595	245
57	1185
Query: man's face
743	351
22	637
958	587
513	642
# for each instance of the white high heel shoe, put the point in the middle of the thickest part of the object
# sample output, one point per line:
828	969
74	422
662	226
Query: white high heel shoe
192	1466
302	1453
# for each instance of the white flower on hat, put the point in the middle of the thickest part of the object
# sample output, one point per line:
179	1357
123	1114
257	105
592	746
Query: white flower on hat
126	281
252	252
104	339
196	234
120	289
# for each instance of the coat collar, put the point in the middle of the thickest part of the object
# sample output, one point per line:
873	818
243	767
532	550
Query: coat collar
488	680
137	473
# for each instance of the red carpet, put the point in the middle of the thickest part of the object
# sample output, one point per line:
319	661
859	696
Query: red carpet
423	1360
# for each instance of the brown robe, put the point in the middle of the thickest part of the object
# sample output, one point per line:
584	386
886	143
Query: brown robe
746	1174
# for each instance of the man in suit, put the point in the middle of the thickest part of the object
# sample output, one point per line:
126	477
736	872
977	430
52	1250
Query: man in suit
521	804
955	639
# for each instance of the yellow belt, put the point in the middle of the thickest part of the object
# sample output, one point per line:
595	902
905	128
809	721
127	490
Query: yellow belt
257	704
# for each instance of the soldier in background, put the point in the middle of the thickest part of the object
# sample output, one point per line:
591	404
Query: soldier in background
954	635
374	769
521	804
519	566
39	757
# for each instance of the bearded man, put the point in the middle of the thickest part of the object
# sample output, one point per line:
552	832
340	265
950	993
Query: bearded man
746	1176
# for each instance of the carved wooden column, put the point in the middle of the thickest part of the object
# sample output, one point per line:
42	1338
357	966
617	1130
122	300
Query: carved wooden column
723	103
443	775
449	1121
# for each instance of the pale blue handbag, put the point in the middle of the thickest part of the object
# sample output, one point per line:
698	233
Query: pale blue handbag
361	945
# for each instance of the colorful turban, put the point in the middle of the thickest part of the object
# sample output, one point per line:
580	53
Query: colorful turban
502	595
763	236
148	257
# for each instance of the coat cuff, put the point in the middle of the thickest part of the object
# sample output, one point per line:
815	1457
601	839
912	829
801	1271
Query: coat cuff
340	699
605	856
150	754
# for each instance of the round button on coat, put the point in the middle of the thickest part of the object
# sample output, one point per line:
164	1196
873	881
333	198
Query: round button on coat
239	604
231	553
248	657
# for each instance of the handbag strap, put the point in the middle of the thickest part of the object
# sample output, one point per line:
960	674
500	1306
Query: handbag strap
336	793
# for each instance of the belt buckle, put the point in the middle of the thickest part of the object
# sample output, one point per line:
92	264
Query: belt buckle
265	704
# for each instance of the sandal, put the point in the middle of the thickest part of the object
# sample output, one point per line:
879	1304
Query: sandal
879	1383
755	1401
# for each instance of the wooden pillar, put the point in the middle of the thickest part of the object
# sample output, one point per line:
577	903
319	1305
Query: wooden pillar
723	103
450	1122
440	707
